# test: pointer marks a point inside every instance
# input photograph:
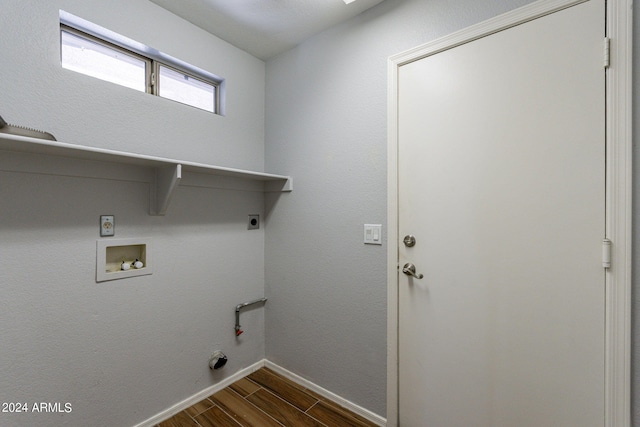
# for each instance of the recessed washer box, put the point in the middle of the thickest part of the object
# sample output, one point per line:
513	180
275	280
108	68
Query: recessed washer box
111	253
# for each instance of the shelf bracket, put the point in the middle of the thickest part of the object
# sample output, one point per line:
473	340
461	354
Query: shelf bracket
166	180
278	186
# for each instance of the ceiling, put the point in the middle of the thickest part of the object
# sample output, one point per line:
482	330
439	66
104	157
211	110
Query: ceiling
265	28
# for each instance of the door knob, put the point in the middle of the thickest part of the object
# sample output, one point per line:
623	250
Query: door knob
410	270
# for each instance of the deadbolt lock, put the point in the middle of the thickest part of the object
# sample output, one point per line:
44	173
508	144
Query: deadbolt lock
409	241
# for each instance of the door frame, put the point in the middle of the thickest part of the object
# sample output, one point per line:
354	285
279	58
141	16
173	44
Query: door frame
618	194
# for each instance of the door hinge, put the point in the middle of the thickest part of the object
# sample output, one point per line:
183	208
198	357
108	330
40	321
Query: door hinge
606	253
607	52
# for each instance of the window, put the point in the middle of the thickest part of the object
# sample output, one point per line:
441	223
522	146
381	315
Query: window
92	50
182	87
95	59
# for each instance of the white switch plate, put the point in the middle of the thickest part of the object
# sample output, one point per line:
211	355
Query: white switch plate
107	225
373	234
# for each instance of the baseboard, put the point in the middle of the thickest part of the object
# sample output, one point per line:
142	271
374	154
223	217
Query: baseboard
365	413
181	406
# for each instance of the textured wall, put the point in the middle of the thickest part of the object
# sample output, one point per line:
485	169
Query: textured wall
327	126
122	351
37	92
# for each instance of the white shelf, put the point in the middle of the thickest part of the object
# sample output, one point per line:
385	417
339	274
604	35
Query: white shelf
168	172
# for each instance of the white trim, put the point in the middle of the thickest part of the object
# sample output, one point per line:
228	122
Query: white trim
392	246
365	413
147	53
619	194
486	28
619	214
181	406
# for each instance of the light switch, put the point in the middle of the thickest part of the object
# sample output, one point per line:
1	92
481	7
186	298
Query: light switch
373	234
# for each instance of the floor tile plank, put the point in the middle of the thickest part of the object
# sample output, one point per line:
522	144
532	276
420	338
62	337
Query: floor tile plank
241	410
336	416
349	413
181	419
283	378
215	417
266	399
284	388
282	411
199	407
244	387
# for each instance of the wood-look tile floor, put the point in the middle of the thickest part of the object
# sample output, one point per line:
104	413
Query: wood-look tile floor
264	399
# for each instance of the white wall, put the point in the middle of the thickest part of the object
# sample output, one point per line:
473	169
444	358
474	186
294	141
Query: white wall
120	352
80	109
327	127
123	351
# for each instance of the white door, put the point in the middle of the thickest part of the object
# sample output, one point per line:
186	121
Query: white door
501	180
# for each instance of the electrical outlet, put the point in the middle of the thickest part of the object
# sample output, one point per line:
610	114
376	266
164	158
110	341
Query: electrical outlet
107	225
254	222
